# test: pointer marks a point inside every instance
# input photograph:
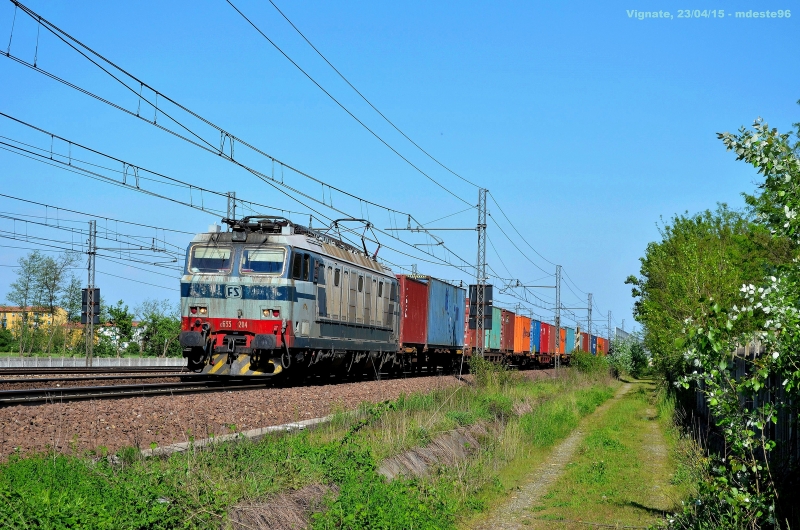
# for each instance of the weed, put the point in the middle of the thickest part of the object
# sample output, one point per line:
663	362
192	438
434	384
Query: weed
461	417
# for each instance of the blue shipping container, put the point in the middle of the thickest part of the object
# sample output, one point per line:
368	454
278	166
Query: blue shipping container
594	345
446	305
570	340
536	329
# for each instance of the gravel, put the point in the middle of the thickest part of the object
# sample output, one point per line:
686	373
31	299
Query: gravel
75	427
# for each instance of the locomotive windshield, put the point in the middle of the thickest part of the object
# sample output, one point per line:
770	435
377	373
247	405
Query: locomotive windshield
211	259
263	260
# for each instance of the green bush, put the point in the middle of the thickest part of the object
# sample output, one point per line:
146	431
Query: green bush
7	342
588	363
628	356
488	374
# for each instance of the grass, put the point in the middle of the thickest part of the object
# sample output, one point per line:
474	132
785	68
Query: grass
536	433
198	489
629	469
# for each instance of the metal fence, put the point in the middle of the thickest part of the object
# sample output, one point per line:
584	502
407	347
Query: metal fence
101	362
785	432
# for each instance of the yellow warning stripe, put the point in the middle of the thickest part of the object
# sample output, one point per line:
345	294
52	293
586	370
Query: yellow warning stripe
244	369
217	366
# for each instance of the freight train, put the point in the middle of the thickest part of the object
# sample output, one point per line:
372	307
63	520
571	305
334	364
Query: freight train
526	342
273	297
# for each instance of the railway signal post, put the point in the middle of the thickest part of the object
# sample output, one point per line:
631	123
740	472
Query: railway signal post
90	307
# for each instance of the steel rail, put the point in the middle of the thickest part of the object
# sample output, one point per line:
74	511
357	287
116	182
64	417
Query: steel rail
182	375
93	370
59	395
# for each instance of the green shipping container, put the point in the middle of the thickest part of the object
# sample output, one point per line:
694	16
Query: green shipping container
570	340
493	335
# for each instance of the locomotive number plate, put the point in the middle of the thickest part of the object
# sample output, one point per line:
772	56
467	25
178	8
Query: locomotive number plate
233	291
228	324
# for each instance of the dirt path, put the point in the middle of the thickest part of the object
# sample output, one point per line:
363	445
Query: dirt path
656	463
512	514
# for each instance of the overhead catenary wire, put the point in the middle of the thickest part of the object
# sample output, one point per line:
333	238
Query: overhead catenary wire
274	183
517	247
364	125
500	208
95	216
159	111
106	233
137	91
74	168
63	36
54	243
362	96
50	157
106	274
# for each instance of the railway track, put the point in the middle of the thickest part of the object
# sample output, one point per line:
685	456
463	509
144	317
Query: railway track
190	382
78	393
94	370
110	378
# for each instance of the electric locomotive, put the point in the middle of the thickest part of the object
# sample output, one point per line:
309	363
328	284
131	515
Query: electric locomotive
272	297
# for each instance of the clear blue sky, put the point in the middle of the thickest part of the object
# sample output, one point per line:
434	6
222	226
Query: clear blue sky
586	124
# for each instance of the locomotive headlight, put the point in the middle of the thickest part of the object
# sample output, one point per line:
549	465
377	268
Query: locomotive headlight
203	310
276	313
265	312
193	310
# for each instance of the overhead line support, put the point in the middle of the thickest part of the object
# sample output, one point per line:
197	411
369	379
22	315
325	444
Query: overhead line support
480	274
558	307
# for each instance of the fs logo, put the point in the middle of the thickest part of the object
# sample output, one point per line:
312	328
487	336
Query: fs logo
233	291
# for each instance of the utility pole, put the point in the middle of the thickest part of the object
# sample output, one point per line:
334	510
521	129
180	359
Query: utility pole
608	334
589	323
623	324
231	206
480	273
90	293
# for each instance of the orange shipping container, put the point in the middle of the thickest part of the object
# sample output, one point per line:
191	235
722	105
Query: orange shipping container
522	334
562	344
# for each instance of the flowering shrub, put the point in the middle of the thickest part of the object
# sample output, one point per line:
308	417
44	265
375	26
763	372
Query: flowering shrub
741	489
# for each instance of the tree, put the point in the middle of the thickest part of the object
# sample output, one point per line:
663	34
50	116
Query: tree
26	292
42	283
51	278
628	356
71	299
161	326
707	256
746	389
122	320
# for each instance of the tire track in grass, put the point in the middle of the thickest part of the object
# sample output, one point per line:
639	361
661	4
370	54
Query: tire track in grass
512	514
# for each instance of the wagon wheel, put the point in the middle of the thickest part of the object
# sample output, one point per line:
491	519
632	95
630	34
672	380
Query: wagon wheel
196	360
